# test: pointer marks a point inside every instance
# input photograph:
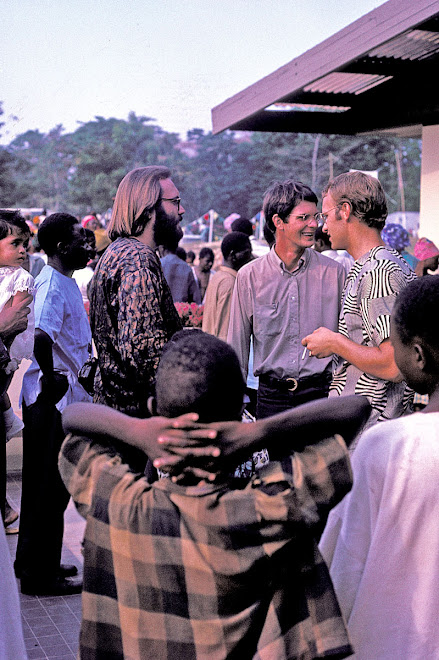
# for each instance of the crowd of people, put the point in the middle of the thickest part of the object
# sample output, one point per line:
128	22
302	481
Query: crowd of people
310	531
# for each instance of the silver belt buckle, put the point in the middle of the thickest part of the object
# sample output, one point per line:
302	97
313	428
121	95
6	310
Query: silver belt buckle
294	384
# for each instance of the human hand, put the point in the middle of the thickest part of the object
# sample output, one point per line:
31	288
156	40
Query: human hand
54	386
320	343
13	318
190	451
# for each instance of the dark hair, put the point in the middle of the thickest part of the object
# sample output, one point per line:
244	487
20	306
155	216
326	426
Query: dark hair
181	253
12	222
56	228
243	225
269	235
190	255
320	235
236	241
199	373
283	197
414	312
137	196
365	195
206	252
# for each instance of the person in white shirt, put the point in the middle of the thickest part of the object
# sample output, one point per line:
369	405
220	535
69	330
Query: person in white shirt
381	542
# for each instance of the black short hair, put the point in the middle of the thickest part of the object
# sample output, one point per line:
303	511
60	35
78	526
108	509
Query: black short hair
243	225
12	222
199	373
282	197
236	241
56	228
206	252
414	313
190	255
181	253
320	235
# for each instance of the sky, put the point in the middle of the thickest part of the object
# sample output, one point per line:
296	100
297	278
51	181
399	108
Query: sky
64	62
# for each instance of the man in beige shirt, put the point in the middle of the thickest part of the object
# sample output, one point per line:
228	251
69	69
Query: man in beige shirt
236	250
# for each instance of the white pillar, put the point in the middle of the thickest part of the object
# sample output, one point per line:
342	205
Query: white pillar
429	205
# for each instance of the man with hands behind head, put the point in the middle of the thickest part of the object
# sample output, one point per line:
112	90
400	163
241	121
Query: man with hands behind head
212	569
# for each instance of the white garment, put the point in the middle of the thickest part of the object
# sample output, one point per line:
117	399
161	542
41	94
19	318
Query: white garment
60	313
11	632
82	278
343	258
14	280
381	542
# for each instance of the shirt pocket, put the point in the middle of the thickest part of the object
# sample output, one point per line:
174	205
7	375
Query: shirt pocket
267	320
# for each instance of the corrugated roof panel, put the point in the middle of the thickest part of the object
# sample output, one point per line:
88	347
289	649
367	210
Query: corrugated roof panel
346	83
413	45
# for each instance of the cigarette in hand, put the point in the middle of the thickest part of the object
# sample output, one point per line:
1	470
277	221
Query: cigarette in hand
304	353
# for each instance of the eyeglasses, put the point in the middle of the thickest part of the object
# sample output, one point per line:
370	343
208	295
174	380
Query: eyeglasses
322	217
173	200
305	217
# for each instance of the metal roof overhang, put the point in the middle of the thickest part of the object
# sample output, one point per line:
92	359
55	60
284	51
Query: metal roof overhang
379	74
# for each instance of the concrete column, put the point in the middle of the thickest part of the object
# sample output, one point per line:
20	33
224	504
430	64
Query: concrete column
429	206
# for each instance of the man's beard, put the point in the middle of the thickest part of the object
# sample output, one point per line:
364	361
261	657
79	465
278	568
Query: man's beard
166	230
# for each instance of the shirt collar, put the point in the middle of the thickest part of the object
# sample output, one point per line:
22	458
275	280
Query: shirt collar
278	263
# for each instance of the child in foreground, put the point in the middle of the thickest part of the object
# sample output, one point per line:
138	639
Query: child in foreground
16	287
200	569
382	541
16	284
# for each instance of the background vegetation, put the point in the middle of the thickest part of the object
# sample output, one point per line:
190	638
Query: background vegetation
79	172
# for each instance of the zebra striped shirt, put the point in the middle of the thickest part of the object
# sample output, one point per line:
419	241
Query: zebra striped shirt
368	297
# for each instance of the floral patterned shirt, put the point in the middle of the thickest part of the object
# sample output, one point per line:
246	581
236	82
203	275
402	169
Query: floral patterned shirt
132	316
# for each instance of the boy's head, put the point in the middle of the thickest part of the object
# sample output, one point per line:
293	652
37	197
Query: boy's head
236	249
206	259
12	222
63	236
199	373
414	334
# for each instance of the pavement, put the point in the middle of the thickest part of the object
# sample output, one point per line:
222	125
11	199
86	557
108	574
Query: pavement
51	623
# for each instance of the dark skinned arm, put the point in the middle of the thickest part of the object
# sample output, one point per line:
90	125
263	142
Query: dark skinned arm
54	384
181	443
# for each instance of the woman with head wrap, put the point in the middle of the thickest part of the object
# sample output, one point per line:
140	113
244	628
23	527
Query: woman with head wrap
398	238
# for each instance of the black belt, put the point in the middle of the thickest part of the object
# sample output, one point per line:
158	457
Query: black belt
294	384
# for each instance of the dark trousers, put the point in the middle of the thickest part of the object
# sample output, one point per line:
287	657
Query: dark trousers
44	497
276	398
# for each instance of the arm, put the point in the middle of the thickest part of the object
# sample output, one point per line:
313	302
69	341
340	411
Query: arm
240	325
54	384
193	289
175	444
13	318
282	434
377	361
97	421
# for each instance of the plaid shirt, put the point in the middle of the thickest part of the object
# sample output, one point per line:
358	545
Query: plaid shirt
132	316
210	571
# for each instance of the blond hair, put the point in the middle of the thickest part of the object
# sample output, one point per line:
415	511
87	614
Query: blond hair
136	198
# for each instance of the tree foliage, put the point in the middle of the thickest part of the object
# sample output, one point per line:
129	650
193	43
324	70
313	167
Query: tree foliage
80	171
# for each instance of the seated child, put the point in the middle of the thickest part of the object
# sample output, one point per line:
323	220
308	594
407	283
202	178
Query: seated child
382	541
201	569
